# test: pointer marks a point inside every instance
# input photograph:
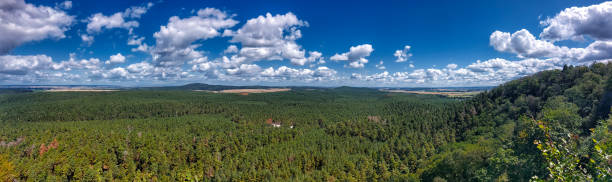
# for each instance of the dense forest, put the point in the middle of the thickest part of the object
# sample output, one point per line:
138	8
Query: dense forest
551	126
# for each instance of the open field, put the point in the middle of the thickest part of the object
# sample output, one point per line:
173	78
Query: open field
80	90
269	90
447	94
304	134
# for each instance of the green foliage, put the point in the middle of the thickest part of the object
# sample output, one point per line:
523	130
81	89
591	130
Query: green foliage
565	162
341	134
571	100
195	136
7	172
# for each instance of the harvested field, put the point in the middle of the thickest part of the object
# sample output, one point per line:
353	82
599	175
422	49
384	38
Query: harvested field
448	94
80	90
247	91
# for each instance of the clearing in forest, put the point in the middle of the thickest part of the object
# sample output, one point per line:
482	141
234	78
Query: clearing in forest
80	90
447	94
269	90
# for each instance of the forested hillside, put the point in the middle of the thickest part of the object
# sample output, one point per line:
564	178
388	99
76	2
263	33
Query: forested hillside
202	86
554	125
500	129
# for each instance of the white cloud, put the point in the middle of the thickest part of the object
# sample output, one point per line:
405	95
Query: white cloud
21	65
268	31
141	67
174	41
138	41
21	22
244	70
231	49
573	23
356	55
402	55
285	73
142	48
87	39
325	73
147	71
74	63
65	5
536	54
493	71
116	73
380	65
525	45
137	11
272	38
98	22
236	68
597	51
116	59
135	40
313	56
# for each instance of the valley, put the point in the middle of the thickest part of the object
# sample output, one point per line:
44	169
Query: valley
320	134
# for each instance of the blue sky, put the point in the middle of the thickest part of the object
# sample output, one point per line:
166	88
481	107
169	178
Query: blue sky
319	43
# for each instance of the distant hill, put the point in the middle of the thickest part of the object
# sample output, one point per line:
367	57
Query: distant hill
203	86
13	90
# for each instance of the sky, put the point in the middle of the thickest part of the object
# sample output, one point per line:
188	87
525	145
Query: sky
297	43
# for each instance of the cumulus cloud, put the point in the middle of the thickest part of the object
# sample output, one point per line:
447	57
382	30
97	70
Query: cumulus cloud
356	55
597	51
87	39
65	5
115	73
402	55
380	65
237	68
268	30
135	40
244	70
140	71
138	41
98	22
142	67
573	23
286	73
74	63
272	38
137	11
313	56
525	45
21	22
174	42
21	65
231	49
115	59
493	71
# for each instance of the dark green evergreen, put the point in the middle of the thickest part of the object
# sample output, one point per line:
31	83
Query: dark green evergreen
341	134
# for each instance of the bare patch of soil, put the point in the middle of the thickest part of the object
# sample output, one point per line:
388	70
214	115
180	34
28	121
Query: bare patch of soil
80	90
248	91
448	94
